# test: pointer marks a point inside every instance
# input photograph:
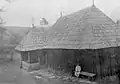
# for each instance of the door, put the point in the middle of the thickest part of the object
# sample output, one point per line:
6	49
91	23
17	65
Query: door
43	58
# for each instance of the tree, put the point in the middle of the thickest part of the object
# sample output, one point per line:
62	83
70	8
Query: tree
2	30
3	10
1	20
15	40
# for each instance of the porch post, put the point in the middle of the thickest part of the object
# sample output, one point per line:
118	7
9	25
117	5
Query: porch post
40	57
29	60
46	58
21	65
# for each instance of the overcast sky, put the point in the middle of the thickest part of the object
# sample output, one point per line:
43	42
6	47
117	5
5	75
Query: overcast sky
20	12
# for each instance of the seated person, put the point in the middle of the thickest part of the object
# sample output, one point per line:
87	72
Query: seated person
77	70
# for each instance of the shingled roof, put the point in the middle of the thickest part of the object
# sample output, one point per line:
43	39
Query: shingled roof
35	39
88	28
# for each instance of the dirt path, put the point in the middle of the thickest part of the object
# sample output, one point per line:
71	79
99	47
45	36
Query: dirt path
10	73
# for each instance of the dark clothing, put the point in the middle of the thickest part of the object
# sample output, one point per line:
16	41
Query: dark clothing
118	74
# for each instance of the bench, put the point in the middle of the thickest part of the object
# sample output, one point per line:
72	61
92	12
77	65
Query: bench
87	75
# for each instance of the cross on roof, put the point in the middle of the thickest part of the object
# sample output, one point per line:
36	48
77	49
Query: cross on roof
93	3
33	22
61	14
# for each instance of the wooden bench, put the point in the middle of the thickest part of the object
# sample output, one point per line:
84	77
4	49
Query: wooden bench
87	75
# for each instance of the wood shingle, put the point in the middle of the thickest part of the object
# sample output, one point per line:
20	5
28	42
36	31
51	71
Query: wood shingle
35	39
89	28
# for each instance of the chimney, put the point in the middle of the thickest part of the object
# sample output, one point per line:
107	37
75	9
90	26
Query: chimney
118	22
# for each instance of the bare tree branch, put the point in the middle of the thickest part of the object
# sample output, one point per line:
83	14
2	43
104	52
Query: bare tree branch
1	21
10	1
2	9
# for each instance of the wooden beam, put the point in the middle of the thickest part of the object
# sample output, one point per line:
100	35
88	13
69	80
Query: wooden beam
29	60
98	63
46	58
21	65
